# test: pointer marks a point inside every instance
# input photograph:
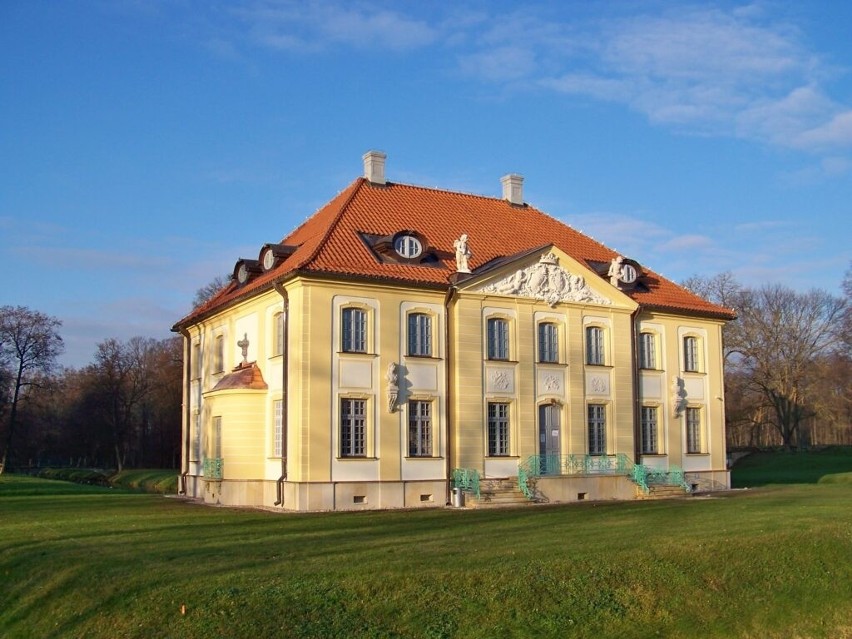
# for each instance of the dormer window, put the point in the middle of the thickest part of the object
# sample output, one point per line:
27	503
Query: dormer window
407	246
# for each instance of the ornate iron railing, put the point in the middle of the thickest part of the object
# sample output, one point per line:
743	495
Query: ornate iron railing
467	479
213	467
620	464
645	477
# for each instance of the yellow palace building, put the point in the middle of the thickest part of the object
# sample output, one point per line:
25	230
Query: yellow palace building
410	347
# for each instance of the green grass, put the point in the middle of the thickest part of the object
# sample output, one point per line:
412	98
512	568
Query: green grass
149	480
85	561
829	465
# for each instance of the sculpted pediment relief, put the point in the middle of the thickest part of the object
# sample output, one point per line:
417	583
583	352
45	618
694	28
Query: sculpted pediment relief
548	282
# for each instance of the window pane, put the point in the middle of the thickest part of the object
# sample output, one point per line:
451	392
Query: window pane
352	428
419	334
277	433
693	430
595	346
548	345
647	351
279	334
354	330
690	354
597	429
498	339
498	429
419	429
649	430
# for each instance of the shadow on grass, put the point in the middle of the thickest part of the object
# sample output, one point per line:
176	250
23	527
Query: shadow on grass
828	465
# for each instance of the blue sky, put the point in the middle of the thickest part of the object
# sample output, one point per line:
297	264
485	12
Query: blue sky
146	145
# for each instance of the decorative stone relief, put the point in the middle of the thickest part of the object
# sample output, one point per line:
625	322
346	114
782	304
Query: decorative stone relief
500	380
393	386
678	396
599	385
548	282
552	384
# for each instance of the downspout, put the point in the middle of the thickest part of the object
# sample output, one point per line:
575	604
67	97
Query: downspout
637	400
187	401
448	391
285	366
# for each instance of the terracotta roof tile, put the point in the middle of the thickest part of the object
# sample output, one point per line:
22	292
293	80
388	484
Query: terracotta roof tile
244	376
329	242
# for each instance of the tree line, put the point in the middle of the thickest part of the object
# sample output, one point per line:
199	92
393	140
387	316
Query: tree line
120	411
788	364
788	381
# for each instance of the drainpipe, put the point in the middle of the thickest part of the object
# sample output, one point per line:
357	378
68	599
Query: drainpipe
448	391
285	365
187	401
637	400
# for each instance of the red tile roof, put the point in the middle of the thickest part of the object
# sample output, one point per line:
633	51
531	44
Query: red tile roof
330	243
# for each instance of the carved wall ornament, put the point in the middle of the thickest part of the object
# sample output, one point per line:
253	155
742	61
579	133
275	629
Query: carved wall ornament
552	384
548	282
392	377
598	385
678	396
500	380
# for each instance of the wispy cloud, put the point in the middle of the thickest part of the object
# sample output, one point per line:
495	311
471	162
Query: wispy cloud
314	26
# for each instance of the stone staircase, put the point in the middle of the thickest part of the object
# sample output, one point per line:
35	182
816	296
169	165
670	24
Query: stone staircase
497	493
661	491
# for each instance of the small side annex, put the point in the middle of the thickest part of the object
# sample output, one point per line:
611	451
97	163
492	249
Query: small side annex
408	343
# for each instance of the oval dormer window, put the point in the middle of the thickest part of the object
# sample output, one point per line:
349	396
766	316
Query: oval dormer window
268	259
408	246
242	274
628	274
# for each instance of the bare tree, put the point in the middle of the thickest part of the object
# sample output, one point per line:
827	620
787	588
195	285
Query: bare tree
781	335
209	290
29	346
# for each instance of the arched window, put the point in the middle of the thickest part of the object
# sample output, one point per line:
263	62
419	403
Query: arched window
354	337
498	338
648	350
595	346
691	359
419	334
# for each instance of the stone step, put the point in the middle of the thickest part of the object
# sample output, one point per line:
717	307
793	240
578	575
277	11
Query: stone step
497	492
662	492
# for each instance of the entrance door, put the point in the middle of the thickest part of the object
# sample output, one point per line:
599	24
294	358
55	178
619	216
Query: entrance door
549	426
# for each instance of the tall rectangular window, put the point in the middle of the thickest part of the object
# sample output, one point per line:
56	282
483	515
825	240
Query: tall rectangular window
353	428
647	351
693	430
498	339
419	334
354	338
277	428
595	346
597	429
216	451
690	354
548	343
196	440
498	429
219	354
419	429
279	334
649	430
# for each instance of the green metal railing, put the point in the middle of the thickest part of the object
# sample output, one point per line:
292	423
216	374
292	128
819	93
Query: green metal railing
645	477
213	467
467	479
619	464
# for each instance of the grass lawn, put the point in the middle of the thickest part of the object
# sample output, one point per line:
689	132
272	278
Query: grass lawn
829	465
85	561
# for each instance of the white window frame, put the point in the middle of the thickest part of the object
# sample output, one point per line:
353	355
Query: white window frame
548	343
278	428
421	428
499	429
278	320
419	334
498	339
219	354
691	354
693	436
648	350
353	329
353	427
596	429
595	345
649	430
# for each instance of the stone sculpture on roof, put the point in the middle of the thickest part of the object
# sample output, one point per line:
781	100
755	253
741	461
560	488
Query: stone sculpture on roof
463	254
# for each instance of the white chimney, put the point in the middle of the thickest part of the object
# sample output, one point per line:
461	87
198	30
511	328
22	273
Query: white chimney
374	166
513	188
